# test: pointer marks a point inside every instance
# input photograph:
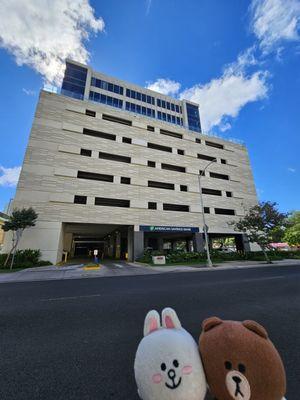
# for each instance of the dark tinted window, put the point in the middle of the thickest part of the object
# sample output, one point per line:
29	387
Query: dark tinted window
80	199
183	188
176	207
160	147
223	161
213	192
152	205
114	157
171	167
169	133
181	152
126	140
99	134
213	144
85	152
229	194
125	180
205	157
94	176
206	210
193	117
103	201
224	211
151	164
108	100
161	185
74	81
99	83
150	128
219	176
90	113
116	119
197	140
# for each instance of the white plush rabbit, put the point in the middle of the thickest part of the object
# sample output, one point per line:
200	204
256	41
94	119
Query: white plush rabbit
167	363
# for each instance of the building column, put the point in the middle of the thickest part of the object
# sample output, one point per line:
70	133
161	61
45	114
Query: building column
198	242
160	243
138	244
246	243
130	243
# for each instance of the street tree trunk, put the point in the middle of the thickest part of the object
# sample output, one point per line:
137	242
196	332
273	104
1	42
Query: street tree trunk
266	256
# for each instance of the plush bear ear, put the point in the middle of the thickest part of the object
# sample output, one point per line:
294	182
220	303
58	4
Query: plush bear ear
152	322
256	328
170	319
210	323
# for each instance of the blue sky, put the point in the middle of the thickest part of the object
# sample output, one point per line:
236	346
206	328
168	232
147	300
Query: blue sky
240	60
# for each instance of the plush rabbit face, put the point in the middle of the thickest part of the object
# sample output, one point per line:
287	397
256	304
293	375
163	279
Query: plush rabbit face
167	364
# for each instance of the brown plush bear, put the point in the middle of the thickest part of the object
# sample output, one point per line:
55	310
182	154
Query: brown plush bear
240	361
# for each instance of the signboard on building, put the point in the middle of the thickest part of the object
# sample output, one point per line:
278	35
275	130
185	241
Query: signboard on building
168	229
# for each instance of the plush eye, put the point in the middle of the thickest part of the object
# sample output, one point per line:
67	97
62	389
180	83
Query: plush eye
228	365
242	368
163	367
175	363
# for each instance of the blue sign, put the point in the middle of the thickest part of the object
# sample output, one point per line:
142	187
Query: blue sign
156	228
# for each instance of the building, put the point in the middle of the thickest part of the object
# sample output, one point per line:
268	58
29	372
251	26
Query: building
113	166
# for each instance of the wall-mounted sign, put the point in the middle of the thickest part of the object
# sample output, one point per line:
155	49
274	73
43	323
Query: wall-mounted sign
156	228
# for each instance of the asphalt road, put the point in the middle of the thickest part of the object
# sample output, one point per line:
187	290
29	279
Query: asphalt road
76	339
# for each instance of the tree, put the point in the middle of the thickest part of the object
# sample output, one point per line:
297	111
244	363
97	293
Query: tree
292	233
18	221
261	223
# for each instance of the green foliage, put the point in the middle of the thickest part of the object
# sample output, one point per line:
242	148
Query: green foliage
261	224
20	219
292	233
25	259
176	257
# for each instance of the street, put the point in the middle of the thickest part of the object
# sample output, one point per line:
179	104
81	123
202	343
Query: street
76	339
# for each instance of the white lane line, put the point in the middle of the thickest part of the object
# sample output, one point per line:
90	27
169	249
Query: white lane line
71	297
118	265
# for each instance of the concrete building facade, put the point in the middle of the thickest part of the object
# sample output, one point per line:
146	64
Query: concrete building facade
117	177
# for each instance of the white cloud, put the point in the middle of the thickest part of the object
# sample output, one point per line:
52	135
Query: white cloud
275	21
225	96
9	176
29	92
42	33
164	86
291	169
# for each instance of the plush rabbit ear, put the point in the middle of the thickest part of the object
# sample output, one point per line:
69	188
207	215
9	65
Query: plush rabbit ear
170	319
152	322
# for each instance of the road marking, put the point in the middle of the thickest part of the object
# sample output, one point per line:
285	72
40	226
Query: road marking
71	297
119	265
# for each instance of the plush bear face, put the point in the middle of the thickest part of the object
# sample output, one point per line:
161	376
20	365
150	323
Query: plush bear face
240	362
167	364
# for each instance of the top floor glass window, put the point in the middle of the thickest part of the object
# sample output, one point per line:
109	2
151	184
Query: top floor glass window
74	81
193	117
111	87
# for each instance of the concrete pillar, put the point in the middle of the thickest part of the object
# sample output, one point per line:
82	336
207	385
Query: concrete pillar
198	242
160	243
118	245
138	244
130	243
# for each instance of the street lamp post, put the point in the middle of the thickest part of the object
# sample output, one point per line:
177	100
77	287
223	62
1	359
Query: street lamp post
209	263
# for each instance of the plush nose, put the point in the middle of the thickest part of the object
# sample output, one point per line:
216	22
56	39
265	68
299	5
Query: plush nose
236	379
171	373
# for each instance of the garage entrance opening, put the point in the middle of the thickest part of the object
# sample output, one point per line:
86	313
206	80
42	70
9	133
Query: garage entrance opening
111	241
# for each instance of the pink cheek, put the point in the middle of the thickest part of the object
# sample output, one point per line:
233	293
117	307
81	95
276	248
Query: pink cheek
187	369
156	378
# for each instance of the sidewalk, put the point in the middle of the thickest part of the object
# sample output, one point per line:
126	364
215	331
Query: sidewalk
115	268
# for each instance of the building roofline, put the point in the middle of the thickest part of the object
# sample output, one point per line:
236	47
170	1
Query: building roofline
134	85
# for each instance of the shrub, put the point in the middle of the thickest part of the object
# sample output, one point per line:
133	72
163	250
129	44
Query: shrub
44	263
23	259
